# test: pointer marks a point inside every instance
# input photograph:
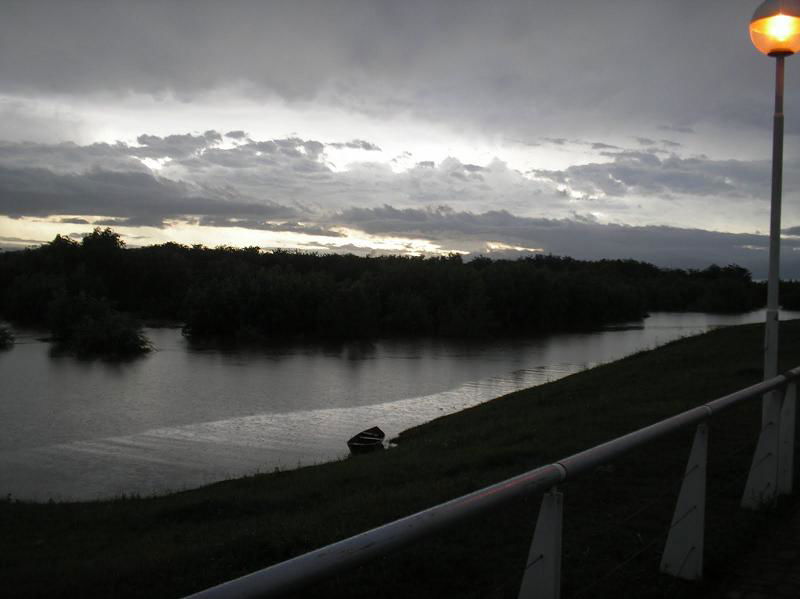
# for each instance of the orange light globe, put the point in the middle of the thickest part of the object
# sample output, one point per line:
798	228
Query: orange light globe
775	27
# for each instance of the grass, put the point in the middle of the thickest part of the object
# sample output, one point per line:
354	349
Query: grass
173	545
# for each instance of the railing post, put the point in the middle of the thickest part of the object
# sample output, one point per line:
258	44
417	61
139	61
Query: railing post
542	577
761	488
788	422
683	553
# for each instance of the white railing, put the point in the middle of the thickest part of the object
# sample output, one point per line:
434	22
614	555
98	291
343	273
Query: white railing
770	475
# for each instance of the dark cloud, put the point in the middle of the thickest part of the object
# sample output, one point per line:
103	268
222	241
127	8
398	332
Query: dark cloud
17	242
644	172
356	144
137	198
261	225
286	185
402	156
583	218
598	145
70	157
533	68
676	128
174	146
665	246
236	134
304	228
142	220
286	171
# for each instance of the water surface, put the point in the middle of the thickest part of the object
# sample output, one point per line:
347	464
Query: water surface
181	417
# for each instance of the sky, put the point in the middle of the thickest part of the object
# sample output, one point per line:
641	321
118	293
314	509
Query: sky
616	129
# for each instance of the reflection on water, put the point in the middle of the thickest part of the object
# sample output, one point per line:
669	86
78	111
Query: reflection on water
182	416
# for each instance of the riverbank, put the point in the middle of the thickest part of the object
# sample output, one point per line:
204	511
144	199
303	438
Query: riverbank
172	545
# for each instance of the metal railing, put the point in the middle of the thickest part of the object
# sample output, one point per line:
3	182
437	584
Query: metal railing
770	475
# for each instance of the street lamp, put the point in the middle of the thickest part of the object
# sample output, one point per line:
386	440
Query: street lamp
775	31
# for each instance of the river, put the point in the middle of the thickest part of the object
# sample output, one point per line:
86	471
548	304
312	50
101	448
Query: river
182	417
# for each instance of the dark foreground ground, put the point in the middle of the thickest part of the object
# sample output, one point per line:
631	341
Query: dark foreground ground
772	570
615	518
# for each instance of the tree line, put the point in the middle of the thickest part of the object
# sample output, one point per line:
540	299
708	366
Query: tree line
91	294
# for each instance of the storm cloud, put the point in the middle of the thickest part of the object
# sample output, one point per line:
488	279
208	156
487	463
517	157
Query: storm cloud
287	185
134	198
648	173
528	68
664	246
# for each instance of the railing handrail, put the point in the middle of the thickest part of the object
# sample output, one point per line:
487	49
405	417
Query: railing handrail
305	569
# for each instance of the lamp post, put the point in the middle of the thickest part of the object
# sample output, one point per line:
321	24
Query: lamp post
775	31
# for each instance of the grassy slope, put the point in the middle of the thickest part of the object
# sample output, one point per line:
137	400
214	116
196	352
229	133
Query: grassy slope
173	545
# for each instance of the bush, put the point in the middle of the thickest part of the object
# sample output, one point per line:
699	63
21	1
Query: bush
111	334
90	326
6	338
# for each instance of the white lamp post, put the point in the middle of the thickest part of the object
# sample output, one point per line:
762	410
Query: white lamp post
775	31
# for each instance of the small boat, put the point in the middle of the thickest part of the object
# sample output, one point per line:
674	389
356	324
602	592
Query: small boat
368	440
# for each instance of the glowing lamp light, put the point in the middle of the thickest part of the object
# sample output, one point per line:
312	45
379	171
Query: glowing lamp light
775	27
